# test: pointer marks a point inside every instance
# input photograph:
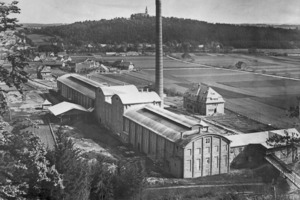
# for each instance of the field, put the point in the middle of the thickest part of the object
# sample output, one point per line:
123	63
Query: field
262	95
148	62
39	39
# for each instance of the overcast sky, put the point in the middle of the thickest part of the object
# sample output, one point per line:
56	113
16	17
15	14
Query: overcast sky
223	11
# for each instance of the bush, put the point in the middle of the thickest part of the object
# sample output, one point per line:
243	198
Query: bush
172	92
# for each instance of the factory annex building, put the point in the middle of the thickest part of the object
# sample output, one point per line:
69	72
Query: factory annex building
78	89
185	148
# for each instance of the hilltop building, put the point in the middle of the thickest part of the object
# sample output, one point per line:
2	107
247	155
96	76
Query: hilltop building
203	100
140	15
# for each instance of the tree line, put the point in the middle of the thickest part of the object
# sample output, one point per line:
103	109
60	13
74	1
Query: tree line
175	31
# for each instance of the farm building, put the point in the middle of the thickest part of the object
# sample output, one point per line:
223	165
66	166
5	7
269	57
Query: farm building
45	73
185	148
204	100
86	65
78	89
123	65
113	101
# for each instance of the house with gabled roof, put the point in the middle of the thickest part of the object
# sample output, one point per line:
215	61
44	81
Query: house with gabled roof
203	100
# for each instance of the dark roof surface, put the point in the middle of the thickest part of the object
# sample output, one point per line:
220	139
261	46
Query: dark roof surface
81	84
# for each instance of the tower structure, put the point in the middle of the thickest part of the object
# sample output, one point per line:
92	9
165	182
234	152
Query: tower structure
146	11
159	53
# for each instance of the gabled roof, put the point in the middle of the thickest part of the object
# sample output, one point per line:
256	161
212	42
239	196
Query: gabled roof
81	84
204	93
64	107
139	97
119	89
241	140
46	102
162	122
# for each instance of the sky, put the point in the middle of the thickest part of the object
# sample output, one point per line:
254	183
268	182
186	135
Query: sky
216	11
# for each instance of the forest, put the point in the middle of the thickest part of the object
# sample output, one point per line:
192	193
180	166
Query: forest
175	31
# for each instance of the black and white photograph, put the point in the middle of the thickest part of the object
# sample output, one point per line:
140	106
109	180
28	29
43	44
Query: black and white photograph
149	100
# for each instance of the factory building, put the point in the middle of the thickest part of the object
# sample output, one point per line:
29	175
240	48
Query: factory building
186	148
203	100
113	101
78	89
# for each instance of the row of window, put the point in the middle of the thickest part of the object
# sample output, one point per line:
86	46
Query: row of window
207	149
199	165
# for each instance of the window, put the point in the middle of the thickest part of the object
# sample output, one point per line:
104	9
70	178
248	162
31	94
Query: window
198	164
207	160
189	165
207	140
198	151
189	152
217	148
208	149
225	146
225	160
217	161
124	124
240	149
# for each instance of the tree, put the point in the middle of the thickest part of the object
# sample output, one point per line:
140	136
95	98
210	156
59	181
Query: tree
286	140
25	171
5	10
74	168
114	180
15	76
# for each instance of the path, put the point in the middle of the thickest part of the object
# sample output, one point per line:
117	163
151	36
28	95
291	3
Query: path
205	186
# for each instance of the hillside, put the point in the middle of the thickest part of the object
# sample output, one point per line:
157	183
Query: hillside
175	30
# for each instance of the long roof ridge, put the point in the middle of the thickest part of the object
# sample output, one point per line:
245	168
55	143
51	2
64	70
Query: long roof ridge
172	117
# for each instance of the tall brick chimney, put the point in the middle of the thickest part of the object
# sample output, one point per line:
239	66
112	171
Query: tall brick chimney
159	84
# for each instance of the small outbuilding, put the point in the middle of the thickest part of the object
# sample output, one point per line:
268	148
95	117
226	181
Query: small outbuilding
68	111
46	104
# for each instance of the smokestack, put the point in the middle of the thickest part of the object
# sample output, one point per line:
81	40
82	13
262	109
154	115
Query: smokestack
159	84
